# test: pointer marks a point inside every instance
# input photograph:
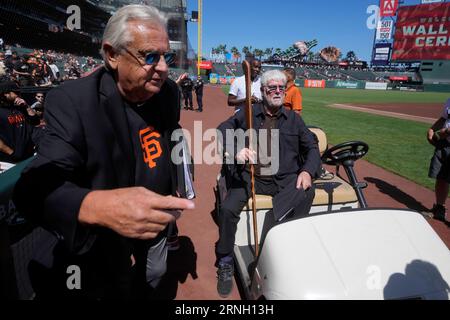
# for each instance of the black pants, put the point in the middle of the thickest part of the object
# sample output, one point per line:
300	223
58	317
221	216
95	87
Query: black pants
200	101
187	95
286	198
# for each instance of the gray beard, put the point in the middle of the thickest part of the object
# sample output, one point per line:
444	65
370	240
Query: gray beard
272	107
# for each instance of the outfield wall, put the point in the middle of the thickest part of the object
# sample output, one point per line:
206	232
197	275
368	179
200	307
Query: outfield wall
367	85
347	84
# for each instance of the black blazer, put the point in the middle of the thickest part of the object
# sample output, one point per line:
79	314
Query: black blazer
86	147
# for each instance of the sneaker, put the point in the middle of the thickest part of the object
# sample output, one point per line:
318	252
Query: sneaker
225	274
173	243
438	211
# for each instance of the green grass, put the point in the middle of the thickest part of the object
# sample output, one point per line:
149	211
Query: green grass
330	96
396	145
226	89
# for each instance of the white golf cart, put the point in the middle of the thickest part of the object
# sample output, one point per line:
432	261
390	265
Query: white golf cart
342	250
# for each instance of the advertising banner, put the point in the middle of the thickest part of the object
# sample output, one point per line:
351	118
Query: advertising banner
423	32
381	53
376	85
314	83
207	65
384	30
431	1
347	84
398	78
213	78
388	8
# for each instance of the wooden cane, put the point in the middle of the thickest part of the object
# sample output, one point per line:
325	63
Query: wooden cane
249	120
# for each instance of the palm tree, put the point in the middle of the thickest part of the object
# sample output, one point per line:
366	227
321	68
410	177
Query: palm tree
238	56
247	51
235	52
351	56
258	53
268	52
225	52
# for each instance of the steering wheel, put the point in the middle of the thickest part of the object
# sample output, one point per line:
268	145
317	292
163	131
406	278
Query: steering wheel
351	150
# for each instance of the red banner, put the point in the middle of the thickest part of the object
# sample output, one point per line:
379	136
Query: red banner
207	65
398	78
388	8
423	32
314	83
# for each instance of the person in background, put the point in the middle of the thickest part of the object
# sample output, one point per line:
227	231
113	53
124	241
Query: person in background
293	99
198	87
38	106
187	85
439	136
17	121
236	95
55	75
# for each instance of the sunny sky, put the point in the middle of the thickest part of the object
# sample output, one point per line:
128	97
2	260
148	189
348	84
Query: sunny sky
266	23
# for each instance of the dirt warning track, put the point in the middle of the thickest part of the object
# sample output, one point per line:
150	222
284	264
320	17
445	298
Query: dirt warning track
426	113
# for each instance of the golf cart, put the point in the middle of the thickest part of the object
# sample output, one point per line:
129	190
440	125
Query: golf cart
342	250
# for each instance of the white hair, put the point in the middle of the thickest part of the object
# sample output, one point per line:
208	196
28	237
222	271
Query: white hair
273	75
117	33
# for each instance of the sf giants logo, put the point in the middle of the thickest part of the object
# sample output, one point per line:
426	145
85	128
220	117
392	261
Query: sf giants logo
150	146
16	119
388	8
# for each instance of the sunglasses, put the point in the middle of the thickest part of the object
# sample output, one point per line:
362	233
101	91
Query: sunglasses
152	58
272	89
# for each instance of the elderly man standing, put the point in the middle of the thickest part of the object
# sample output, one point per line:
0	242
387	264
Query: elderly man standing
103	181
289	182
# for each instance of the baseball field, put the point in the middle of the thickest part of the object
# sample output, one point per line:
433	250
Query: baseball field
396	138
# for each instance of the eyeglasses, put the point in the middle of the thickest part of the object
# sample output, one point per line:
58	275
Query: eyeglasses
152	58
272	89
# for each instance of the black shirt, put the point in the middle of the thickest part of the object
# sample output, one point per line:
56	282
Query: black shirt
16	133
187	85
151	149
199	87
298	150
